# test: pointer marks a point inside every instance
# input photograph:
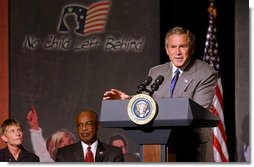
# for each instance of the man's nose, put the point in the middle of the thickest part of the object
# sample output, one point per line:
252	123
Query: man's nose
84	126
178	50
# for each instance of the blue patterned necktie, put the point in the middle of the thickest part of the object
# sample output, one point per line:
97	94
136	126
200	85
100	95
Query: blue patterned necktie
173	82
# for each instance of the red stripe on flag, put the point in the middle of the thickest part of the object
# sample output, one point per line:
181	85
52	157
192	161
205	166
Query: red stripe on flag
99	10
97	15
99	4
220	125
95	20
217	145
214	111
219	95
95	25
94	30
221	128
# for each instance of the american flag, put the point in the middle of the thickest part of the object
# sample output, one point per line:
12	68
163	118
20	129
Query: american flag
211	56
96	17
91	19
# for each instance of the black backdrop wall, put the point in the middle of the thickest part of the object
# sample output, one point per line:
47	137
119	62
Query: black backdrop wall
64	78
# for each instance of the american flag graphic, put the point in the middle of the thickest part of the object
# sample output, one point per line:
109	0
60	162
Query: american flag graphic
96	17
91	19
211	56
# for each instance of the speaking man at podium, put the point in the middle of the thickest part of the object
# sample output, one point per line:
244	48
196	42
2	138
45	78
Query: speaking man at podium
183	76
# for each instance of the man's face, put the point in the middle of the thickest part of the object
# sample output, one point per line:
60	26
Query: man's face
13	135
119	143
178	49
87	127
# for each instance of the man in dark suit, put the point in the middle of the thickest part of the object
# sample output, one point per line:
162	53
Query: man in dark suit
87	126
195	80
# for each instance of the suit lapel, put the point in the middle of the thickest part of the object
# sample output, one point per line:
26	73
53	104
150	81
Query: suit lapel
184	80
78	153
99	152
181	85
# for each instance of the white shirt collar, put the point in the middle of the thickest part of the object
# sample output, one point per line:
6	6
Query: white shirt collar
181	70
93	147
174	69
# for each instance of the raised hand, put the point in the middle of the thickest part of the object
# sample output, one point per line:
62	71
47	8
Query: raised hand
32	118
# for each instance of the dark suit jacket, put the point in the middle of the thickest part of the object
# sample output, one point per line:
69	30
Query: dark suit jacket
104	153
25	156
197	82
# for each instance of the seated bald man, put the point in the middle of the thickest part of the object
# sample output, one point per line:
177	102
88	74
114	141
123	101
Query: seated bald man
87	127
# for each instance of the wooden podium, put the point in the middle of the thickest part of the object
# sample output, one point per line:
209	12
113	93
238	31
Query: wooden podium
153	137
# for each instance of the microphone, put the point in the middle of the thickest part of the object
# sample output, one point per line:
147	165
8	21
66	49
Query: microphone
142	86
157	83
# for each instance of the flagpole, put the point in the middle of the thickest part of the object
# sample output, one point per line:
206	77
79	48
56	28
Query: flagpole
212	10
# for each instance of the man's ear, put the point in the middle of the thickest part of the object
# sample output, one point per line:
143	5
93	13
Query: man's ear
4	138
99	125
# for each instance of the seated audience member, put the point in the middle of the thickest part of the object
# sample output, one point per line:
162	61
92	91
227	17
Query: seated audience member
120	141
46	150
89	148
60	138
12	135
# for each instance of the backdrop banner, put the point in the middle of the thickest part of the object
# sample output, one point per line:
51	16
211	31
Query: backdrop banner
65	54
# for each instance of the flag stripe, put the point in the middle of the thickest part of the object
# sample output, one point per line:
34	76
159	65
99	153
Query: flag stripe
218	145
96	20
216	158
99	4
94	25
221	141
94	29
219	95
96	15
101	9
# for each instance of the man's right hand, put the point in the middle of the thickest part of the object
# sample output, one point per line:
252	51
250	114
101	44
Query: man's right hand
115	94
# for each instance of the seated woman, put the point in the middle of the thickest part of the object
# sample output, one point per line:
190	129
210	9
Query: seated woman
12	135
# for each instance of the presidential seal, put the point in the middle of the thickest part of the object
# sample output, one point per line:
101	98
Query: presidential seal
141	109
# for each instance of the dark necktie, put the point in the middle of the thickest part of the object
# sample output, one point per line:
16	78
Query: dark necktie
89	155
173	82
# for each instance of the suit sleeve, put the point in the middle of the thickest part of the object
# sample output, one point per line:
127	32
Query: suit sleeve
39	145
206	89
